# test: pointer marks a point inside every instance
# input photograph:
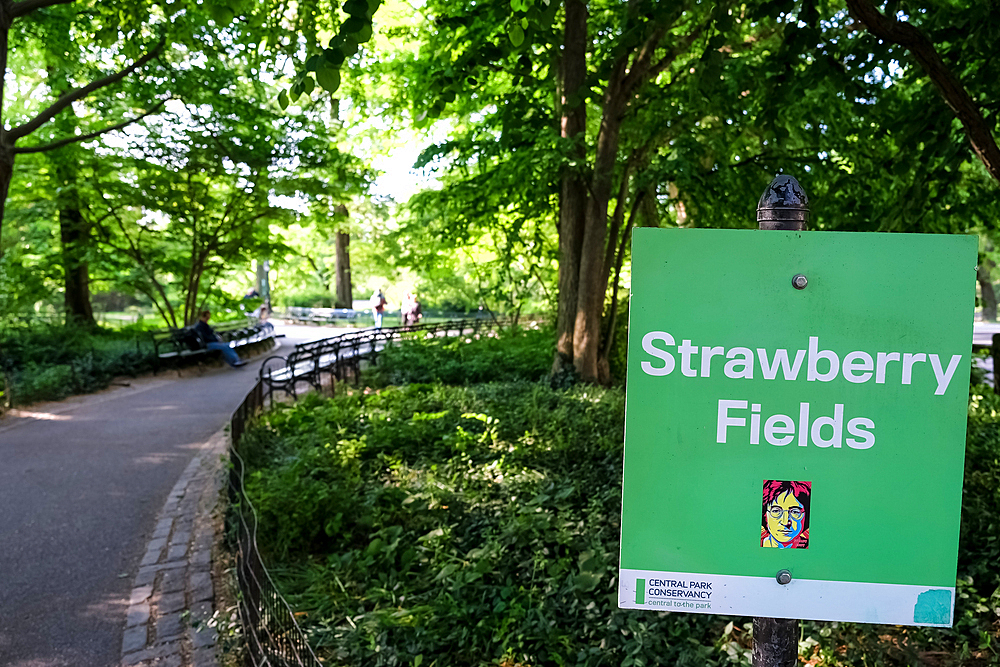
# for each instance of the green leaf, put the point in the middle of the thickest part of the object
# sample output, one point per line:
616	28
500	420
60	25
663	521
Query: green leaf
313	63
283	100
329	79
352	25
374	546
587	581
334	57
516	35
524	23
308	84
437	532
364	34
356	8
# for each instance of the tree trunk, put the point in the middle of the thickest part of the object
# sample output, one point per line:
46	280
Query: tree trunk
593	278
74	231
6	175
262	282
342	267
989	297
6	145
573	190
75	236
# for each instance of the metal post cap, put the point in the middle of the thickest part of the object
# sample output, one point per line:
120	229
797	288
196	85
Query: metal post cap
783	205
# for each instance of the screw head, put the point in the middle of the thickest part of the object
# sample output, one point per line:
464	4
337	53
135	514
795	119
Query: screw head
799	281
783	577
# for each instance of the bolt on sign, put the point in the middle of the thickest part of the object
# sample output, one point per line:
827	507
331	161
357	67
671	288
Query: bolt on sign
795	423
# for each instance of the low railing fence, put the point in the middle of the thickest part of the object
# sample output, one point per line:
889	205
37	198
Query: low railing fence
322	363
272	636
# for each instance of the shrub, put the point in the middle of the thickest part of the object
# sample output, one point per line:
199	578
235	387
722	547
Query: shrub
49	362
508	355
471	525
480	525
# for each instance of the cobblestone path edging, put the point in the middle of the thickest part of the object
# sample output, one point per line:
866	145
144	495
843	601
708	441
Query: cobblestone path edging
173	596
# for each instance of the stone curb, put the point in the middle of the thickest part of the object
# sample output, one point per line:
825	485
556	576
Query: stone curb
173	595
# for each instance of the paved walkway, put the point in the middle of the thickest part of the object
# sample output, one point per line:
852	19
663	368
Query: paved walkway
100	521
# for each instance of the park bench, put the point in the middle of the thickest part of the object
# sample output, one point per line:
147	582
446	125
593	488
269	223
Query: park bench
176	345
304	315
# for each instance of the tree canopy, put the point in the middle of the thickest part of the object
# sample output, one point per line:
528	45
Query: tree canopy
550	130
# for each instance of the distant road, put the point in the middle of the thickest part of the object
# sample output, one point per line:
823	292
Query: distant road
982	332
81	482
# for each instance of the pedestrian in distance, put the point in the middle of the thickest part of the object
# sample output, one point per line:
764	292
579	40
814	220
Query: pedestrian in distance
378	304
411	310
213	342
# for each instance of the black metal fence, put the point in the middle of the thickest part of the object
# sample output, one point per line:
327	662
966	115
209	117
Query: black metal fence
272	637
320	364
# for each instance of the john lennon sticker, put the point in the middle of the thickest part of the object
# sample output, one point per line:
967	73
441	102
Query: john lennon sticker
784	514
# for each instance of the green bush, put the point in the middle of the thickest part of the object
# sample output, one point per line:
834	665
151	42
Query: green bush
479	525
508	355
50	362
467	525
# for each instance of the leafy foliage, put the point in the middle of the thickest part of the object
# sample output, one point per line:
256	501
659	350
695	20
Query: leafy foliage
511	354
475	523
48	362
478	525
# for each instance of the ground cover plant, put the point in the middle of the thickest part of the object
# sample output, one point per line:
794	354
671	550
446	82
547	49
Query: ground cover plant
457	525
50	362
513	353
478	525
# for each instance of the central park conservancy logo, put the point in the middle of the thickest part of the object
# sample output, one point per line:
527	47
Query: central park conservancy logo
672	593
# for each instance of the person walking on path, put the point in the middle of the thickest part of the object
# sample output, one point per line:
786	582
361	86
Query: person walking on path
378	304
411	310
213	342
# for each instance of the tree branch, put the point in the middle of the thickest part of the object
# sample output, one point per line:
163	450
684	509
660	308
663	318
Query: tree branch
905	34
90	135
668	60
45	116
18	9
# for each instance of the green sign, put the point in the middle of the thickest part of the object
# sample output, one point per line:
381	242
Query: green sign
816	429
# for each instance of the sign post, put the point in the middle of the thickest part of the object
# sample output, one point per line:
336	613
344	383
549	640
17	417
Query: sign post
784	206
795	423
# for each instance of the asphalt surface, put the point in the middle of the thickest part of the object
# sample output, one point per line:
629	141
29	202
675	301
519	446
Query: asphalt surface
81	482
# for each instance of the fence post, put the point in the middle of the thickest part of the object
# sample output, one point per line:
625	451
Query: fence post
783	206
995	353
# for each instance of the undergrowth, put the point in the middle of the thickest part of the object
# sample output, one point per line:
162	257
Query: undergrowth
50	362
508	355
458	526
479	525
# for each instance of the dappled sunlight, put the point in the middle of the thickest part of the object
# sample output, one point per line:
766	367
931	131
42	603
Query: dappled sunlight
157	458
39	416
108	608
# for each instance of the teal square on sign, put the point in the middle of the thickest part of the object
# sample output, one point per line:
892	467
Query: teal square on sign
796	401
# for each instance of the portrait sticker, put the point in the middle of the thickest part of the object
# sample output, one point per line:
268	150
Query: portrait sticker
784	514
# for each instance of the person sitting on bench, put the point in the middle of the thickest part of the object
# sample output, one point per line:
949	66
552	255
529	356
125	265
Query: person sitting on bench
213	342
